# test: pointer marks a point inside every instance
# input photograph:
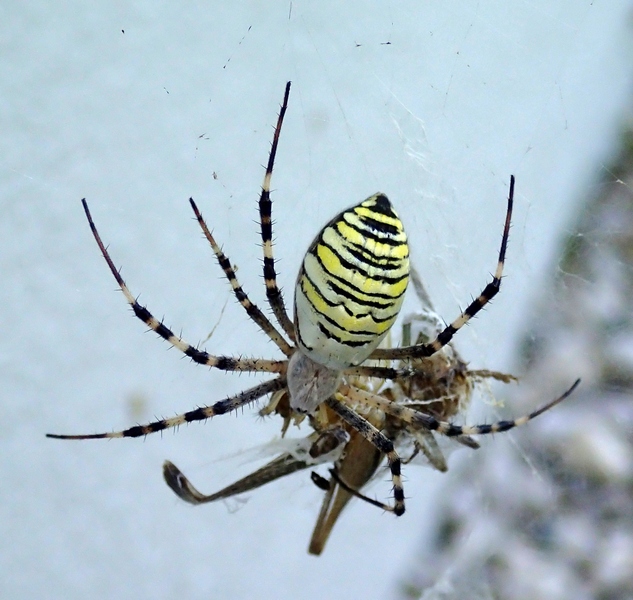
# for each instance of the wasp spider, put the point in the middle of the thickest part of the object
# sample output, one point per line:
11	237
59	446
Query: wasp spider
349	291
439	385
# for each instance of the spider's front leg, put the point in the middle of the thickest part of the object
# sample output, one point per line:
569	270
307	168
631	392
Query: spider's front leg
273	293
488	293
223	363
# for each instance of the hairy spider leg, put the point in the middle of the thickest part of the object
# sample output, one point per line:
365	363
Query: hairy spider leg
445	336
199	414
223	363
273	293
252	309
379	440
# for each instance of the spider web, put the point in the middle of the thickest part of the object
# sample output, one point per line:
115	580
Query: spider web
139	108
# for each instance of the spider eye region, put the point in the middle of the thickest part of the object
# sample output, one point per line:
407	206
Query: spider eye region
310	383
351	284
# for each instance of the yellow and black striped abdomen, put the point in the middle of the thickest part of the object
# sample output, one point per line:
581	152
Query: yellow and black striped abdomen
351	284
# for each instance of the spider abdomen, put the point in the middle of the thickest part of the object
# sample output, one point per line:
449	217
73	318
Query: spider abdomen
351	284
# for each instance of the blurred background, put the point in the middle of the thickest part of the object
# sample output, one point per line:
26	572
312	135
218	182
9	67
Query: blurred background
137	107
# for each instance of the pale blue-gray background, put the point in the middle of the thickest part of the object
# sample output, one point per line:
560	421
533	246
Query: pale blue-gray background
433	103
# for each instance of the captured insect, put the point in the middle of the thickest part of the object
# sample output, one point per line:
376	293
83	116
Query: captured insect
348	294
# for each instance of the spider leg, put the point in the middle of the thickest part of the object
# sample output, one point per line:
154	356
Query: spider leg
410	371
199	414
224	363
273	293
421	420
379	440
252	309
488	293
